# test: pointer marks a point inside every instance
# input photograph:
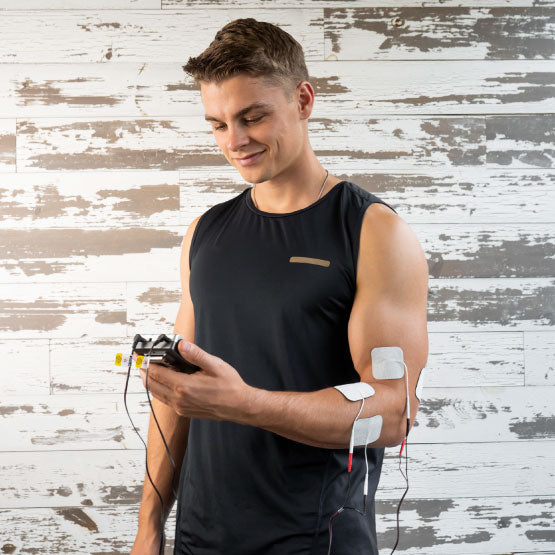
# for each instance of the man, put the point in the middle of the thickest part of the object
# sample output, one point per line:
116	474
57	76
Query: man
286	289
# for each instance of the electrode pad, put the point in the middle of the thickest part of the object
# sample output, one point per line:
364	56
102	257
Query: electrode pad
387	363
367	430
356	391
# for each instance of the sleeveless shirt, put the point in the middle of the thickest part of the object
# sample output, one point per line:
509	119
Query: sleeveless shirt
272	295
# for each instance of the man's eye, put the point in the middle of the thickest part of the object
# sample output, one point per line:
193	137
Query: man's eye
254	120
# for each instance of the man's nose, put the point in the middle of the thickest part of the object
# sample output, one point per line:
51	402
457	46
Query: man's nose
236	138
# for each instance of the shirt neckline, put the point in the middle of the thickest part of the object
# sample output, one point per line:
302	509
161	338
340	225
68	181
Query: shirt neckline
253	208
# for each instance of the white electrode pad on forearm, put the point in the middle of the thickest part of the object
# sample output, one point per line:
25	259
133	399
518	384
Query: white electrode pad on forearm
387	363
356	391
367	430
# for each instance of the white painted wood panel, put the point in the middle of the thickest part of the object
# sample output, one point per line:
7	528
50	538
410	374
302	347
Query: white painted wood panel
48	310
46	5
430	196
256	4
152	252
446	113
439	471
150	36
493	525
342	88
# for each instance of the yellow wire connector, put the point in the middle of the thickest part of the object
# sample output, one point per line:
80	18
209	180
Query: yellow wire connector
121	359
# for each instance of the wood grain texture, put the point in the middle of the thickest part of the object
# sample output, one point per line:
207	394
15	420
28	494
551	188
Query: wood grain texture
150	36
440	471
413	33
397	143
445	110
257	4
477	526
156	89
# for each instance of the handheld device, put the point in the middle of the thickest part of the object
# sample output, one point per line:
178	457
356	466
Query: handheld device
164	351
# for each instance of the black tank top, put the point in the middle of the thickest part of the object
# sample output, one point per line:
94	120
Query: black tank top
272	295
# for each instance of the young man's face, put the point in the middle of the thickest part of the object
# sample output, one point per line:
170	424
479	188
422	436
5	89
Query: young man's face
276	129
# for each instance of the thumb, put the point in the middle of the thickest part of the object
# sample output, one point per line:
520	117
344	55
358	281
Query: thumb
193	353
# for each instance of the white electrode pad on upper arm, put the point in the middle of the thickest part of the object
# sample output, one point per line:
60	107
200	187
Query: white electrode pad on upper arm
387	363
356	391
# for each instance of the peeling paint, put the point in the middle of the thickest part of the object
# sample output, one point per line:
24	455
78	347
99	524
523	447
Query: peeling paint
78	516
541	427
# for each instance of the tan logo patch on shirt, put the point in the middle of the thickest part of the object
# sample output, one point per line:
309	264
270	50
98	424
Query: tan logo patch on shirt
308	260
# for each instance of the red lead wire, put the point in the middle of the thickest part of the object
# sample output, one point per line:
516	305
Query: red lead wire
402	445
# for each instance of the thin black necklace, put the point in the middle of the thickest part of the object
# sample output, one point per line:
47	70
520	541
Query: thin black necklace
323	185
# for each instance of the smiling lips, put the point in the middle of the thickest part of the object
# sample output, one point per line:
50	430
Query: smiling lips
251	159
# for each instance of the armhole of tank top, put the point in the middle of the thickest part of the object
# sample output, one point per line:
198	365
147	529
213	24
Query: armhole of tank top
358	231
194	237
366	205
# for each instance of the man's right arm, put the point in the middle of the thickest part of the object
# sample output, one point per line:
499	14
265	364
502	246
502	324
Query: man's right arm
174	427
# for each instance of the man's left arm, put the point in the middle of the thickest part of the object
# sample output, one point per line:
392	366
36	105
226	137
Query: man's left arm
389	309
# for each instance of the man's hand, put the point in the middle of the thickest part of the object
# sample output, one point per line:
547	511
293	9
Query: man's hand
217	391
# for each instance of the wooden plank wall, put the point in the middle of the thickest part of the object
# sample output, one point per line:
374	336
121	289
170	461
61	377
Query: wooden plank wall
444	109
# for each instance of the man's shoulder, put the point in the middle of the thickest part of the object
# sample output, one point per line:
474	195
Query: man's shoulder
362	197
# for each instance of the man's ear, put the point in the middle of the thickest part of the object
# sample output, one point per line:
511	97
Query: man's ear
305	99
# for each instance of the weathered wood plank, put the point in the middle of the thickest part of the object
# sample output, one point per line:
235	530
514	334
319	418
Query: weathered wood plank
151	143
62	254
25	369
454	305
495	359
89	200
7	145
438	471
464	195
449	527
343	88
150	36
485	414
540	360
256	4
99	374
187	142
79	5
440	32
75	529
48	310
510	250
73	255
89	421
518	142
475	359
491	525
491	304
152	306
111	199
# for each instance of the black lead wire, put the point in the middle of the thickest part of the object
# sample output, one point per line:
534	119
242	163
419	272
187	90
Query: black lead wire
136	340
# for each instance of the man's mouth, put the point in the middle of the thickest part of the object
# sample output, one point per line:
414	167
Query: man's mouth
250	159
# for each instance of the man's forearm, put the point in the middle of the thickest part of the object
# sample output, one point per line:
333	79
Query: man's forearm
175	429
325	418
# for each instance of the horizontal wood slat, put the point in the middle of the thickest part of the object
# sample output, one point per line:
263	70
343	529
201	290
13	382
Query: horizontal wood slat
394	143
346	88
